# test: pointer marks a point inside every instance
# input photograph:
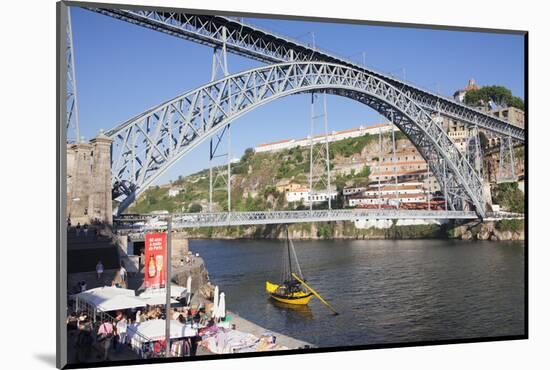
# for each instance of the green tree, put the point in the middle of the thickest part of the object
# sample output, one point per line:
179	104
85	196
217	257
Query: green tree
195	208
517	103
270	190
509	197
249	205
248	153
497	94
365	172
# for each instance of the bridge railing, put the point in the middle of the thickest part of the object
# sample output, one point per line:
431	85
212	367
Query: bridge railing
137	223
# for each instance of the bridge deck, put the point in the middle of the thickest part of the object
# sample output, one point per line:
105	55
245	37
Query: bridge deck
220	219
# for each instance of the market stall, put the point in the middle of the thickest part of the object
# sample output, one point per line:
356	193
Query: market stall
220	340
106	299
148	337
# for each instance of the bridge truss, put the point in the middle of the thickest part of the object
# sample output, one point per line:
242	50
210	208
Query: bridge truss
148	144
154	155
72	125
266	46
219	219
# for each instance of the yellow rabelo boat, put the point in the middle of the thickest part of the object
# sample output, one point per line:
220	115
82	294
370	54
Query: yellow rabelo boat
291	290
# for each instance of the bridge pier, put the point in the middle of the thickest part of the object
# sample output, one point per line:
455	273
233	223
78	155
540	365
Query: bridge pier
89	181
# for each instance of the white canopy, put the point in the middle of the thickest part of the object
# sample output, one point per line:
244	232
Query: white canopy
156	299
188	285
220	311
111	298
176	291
216	301
156	329
109	291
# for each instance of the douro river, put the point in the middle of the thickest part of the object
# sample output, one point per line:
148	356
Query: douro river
386	291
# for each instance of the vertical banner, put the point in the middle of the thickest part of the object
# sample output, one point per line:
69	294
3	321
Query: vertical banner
155	260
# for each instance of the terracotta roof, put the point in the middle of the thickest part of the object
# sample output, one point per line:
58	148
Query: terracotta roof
415	195
378	125
348	130
402	163
398	173
402	187
322	135
301	190
273	143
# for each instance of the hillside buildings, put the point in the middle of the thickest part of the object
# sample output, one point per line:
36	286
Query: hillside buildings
303	195
459	95
511	114
461	135
405	170
172	192
285	186
334	136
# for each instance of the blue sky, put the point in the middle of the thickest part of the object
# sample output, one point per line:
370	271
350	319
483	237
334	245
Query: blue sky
123	69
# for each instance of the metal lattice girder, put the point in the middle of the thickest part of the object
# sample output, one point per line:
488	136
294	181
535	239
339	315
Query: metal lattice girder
148	144
319	153
506	164
72	125
218	219
266	46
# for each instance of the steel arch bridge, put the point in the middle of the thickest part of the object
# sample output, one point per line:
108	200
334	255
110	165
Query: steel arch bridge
266	46
148	144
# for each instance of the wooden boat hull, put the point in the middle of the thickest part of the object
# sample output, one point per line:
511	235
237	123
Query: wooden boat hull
298	298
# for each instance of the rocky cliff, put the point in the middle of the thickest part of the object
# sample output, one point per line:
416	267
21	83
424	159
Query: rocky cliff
489	230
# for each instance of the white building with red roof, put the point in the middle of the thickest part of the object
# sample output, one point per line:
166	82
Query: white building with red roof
333	136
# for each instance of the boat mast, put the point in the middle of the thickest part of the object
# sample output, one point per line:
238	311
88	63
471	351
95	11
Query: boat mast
288	250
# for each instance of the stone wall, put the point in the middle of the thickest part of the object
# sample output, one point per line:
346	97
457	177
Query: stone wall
180	248
487	230
89	181
196	268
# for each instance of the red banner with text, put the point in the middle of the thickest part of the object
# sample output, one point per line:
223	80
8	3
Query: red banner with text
155	259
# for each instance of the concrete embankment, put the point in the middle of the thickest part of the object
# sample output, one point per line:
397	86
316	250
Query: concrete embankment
487	230
196	268
246	326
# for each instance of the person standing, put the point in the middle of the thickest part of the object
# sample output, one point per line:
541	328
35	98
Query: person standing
84	341
123	273
121	329
85	228
78	229
105	335
99	269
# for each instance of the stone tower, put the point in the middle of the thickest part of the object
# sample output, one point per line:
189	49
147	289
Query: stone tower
89	181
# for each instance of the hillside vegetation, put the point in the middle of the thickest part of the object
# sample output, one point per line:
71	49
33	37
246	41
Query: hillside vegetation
509	197
254	180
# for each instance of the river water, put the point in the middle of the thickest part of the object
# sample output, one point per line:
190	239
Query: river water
386	291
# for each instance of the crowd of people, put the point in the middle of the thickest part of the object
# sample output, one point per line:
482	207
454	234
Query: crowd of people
111	333
105	335
83	230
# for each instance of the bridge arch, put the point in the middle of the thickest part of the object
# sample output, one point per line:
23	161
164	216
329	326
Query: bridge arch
147	145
